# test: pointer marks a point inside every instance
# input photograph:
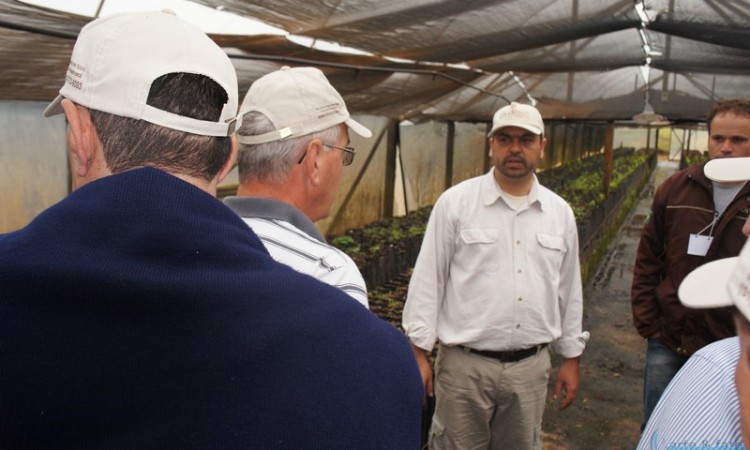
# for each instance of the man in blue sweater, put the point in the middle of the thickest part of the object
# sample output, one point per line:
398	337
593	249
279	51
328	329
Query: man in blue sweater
140	312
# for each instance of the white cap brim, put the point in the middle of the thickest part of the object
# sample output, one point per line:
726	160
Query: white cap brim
296	130
706	286
358	128
55	107
728	170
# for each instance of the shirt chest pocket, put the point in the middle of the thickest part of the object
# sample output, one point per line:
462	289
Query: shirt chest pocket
479	248
552	250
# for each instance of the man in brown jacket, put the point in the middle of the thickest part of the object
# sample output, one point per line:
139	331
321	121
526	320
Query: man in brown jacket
692	221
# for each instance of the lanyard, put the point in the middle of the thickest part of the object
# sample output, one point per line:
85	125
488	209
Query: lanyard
710	226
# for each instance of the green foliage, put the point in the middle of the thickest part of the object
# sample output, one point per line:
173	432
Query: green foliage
693	157
342	241
345	243
374	239
580	183
590	264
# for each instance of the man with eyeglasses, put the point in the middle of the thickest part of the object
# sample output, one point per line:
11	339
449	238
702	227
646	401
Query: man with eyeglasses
498	284
294	134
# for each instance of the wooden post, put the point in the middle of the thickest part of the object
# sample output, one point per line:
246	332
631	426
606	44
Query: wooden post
450	144
350	195
683	147
392	141
609	138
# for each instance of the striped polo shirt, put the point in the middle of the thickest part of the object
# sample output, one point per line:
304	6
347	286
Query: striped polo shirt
292	239
699	410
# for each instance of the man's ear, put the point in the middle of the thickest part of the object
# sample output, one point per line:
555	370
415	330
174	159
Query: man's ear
229	164
311	163
81	138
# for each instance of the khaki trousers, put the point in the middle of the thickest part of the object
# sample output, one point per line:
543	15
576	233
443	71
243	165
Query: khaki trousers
482	403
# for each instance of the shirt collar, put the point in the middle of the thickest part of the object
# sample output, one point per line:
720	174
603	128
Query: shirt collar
491	191
266	208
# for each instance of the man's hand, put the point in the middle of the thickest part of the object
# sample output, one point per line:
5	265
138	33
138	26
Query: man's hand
424	369
567	382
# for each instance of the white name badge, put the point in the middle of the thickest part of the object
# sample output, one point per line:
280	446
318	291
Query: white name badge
699	244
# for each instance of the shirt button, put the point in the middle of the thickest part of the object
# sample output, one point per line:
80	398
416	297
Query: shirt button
520	299
518	242
519	270
518	325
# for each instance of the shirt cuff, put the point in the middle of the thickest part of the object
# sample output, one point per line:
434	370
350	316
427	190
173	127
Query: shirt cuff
571	347
424	340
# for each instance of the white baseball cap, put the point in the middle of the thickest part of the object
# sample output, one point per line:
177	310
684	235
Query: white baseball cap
116	59
724	282
298	101
728	170
518	115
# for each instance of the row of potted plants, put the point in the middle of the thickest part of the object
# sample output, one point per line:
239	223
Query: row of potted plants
398	238
386	250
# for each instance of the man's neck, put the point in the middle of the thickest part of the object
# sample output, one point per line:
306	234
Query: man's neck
209	186
514	186
284	194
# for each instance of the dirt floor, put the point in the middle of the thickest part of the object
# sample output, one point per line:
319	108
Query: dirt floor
607	411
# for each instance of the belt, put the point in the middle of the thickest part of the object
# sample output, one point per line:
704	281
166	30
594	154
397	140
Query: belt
507	356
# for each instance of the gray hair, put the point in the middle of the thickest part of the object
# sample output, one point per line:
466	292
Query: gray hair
272	161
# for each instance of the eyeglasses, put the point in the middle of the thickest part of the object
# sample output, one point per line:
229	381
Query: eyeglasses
349	153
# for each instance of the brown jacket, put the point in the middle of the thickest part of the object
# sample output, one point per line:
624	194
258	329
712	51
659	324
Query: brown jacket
682	205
